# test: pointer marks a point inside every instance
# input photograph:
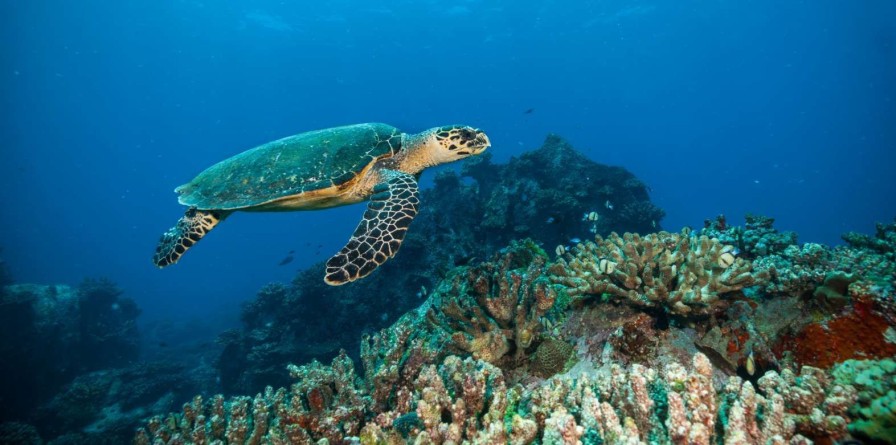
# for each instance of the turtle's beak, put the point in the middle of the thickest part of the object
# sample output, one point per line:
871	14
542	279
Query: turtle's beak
479	143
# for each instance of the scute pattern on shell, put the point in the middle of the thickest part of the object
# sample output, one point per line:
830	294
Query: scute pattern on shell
305	162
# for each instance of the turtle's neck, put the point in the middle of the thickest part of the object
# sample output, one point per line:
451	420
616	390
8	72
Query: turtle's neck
416	154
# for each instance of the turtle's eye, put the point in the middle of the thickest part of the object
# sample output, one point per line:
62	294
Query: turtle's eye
467	134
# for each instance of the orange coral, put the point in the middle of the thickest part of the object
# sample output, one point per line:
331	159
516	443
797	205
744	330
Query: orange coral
857	335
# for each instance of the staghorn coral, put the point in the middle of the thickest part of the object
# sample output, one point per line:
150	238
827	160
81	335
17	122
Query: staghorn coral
679	273
494	310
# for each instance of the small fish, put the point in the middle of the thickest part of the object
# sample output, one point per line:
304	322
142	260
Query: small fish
608	205
550	220
751	363
529	111
464	260
286	260
606	266
575	240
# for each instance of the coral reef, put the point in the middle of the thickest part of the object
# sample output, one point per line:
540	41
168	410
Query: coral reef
50	334
494	310
529	367
467	219
554	195
756	238
681	274
883	242
688	343
393	357
852	335
110	403
874	414
469	401
324	403
19	433
308	319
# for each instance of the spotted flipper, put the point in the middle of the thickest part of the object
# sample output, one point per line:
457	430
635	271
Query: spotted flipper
377	238
188	231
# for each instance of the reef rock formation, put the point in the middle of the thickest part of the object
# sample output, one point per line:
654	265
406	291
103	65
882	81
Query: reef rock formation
50	334
552	194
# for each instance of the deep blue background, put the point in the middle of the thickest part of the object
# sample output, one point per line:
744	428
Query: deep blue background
784	108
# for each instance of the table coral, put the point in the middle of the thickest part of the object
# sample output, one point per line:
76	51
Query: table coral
682	274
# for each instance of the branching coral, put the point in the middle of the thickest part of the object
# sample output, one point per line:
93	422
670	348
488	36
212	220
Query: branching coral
325	403
457	401
496	308
393	358
468	401
681	406
758	237
683	274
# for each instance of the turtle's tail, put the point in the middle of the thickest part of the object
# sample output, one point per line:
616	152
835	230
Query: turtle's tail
188	231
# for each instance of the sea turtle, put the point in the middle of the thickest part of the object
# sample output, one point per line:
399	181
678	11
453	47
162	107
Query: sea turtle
322	169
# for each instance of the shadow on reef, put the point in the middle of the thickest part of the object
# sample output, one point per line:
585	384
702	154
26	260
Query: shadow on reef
50	334
553	194
667	338
69	358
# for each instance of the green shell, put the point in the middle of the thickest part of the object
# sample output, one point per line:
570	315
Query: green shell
290	166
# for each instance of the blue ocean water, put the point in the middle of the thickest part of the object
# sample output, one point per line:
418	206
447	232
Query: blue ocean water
779	108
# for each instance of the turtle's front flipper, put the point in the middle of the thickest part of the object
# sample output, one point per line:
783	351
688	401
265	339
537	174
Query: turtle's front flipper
377	238
188	231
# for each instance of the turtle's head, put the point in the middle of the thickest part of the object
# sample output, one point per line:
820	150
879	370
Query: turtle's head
459	141
440	145
443	144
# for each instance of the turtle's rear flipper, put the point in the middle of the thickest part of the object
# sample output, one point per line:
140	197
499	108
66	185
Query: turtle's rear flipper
188	231
377	238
